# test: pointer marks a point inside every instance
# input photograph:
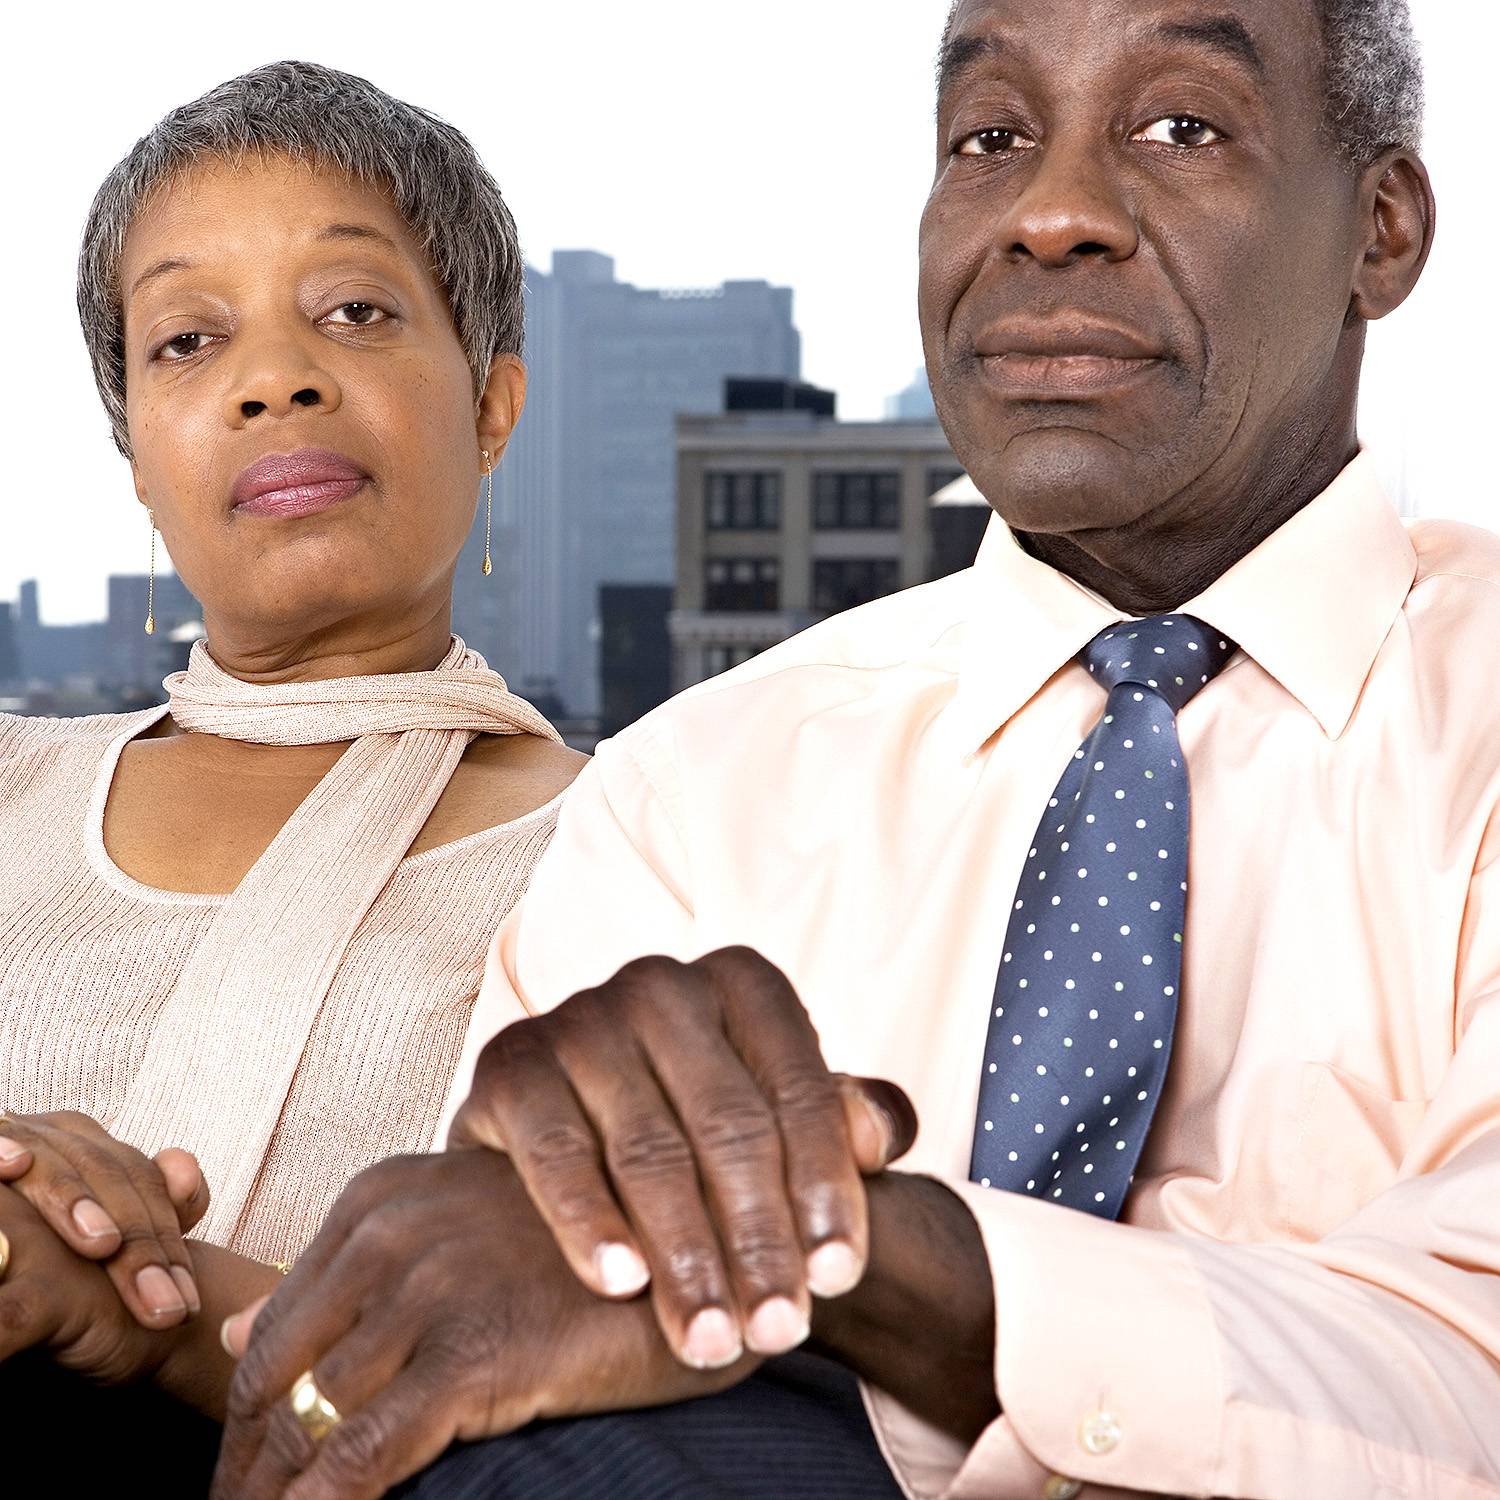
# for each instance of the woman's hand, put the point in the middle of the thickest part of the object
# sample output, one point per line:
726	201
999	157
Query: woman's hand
107	1202
52	1298
678	1125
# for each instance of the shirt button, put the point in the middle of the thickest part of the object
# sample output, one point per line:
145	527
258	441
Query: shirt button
1100	1433
1060	1487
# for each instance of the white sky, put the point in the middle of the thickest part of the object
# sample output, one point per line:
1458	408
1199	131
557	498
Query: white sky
693	140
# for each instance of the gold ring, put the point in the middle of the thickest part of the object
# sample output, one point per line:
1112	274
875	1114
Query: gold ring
4	1254
315	1413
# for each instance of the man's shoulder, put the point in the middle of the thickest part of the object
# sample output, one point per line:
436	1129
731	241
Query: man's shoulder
1456	550
893	645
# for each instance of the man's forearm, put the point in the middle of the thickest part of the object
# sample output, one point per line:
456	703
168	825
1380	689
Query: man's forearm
921	1324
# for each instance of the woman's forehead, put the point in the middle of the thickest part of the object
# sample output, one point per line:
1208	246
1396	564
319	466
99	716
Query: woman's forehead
256	207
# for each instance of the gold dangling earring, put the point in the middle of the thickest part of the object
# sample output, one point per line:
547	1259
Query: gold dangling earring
151	579
489	500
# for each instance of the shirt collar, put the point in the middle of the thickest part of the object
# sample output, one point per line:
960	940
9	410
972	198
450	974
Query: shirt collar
1312	605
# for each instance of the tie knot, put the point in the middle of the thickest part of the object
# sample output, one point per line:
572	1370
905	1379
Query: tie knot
1173	654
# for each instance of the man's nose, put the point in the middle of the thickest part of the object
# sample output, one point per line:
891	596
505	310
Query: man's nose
276	377
1072	206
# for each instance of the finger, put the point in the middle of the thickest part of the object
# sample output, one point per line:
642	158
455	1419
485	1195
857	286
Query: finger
406	1427
361	1364
238	1328
738	1150
651	1167
303	1317
15	1159
106	1201
768	1026
881	1121
537	1120
186	1186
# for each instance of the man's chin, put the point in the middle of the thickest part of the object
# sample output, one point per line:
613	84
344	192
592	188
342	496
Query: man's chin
1062	478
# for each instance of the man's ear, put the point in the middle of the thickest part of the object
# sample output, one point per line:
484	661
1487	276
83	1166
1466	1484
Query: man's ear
501	404
1400	214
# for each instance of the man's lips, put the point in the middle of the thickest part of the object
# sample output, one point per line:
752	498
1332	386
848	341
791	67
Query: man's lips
1064	357
296	484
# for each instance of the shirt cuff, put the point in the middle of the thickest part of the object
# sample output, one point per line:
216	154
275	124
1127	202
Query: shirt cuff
1107	1361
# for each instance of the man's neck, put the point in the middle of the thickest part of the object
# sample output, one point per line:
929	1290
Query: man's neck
1147	568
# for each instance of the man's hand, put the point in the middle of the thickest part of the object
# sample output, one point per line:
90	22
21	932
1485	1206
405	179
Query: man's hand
679	1125
108	1202
434	1305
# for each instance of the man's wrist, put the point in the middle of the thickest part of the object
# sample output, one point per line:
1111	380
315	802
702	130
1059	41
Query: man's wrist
921	1323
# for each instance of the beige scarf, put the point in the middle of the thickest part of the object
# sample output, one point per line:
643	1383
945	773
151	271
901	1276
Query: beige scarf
227	1044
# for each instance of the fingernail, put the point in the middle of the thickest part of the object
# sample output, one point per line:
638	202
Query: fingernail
712	1340
188	1287
10	1150
93	1223
776	1326
833	1270
159	1292
882	1124
621	1272
234	1334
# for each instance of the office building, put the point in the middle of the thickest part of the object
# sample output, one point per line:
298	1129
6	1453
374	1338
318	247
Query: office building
585	495
787	516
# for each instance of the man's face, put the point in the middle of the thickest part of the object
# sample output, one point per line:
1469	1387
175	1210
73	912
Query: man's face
1138	254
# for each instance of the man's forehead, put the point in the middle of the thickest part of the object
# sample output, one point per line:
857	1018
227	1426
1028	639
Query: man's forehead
1266	25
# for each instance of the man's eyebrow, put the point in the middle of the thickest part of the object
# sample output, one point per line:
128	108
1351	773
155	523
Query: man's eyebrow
1226	35
962	53
328	232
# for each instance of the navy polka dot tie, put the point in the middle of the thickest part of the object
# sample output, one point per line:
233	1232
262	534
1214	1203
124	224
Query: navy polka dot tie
1086	998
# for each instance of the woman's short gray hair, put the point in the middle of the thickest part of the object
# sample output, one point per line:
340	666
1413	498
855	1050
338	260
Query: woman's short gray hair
324	117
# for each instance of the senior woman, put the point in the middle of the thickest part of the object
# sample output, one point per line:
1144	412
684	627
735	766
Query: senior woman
252	923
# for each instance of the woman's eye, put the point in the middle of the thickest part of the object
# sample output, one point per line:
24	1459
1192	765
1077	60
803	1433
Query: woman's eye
360	314
1180	130
993	141
181	346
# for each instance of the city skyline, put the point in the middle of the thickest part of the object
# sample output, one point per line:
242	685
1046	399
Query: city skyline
691	146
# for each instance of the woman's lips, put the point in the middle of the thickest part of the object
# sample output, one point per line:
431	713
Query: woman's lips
296	484
299	499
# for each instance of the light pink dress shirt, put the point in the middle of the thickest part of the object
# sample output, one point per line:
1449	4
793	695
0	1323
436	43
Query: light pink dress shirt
1303	1299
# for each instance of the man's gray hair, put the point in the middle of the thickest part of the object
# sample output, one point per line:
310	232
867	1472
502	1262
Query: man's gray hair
1372	76
323	117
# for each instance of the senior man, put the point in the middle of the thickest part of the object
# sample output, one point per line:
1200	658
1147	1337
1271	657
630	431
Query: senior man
1156	858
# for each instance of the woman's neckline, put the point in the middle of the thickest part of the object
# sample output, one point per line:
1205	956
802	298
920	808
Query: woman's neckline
102	863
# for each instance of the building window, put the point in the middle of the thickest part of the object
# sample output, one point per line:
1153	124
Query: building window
742	502
743	584
717	659
857	501
842	583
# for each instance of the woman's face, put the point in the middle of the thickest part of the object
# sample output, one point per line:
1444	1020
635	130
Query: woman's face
272	308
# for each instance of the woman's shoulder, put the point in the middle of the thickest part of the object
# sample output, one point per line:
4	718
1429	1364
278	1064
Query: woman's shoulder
22	734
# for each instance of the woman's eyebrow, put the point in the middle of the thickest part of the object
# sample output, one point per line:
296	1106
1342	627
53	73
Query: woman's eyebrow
347	231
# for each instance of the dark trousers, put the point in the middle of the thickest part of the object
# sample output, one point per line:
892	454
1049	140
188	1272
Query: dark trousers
795	1431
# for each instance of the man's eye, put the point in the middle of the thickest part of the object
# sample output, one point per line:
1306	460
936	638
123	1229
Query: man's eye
1180	130
993	141
360	314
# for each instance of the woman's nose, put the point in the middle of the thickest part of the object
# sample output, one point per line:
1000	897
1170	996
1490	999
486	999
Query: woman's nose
278	381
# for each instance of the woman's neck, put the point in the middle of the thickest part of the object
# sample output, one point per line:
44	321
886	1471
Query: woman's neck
347	649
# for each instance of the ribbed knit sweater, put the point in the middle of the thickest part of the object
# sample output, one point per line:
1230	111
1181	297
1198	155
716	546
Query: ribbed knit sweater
89	958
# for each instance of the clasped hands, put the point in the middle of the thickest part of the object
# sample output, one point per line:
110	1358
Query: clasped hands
645	1192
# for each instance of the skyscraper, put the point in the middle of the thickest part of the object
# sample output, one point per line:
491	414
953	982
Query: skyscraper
585	495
